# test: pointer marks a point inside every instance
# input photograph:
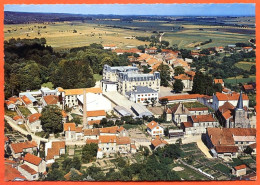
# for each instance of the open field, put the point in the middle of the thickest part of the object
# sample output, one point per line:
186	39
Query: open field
66	35
245	65
240	79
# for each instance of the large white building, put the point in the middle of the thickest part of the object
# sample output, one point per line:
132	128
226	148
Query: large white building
128	81
143	94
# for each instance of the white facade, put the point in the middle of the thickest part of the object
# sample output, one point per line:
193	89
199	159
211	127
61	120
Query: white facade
95	102
35	126
156	131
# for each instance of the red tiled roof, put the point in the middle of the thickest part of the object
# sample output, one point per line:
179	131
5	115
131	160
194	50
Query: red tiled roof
121	129
34	117
152	125
64	114
226	149
94	90
123	140
248	87
233	96
183	97
182	77
92	122
32	159
242	166
96	113
218	81
203	118
156	142
89	141
224	136
79	129
107	139
28	169
26	100
51	99
91	132
187	124
17	117
14	99
55	149
168	111
113	129
191	73
7	102
133	146
69	126
12	173
19	147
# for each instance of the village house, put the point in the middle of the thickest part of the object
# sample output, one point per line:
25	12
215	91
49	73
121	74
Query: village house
179	114
219	99
144	58
34	122
16	100
133	149
131	50
18	149
12	174
143	95
219	49
29	173
123	145
186	80
91	134
151	50
18	119
107	144
35	163
154	129
248	88
228	142
10	105
69	130
198	110
239	170
53	150
219	81
51	100
96	115
110	46
140	111
158	143
28	99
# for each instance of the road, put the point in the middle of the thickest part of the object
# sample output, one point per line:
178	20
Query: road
12	123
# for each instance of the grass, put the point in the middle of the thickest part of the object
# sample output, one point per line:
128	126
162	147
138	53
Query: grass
222	168
61	37
48	84
24	111
129	126
10	113
244	65
239	79
189	174
97	77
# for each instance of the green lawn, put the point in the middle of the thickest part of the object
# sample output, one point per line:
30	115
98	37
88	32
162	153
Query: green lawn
222	168
48	84
240	80
24	111
245	65
97	77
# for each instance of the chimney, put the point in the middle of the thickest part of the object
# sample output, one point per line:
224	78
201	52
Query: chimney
85	121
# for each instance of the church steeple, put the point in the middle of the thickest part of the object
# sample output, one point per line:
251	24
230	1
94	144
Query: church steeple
240	102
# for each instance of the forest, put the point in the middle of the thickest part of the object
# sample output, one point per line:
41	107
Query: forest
30	62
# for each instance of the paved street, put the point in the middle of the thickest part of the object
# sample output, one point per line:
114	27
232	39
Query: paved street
11	122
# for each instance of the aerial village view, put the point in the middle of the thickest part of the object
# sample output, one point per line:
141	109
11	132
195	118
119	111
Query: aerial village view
130	92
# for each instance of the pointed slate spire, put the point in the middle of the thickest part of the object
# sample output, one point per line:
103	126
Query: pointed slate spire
240	102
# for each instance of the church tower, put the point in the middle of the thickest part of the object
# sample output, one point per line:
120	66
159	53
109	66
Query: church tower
241	120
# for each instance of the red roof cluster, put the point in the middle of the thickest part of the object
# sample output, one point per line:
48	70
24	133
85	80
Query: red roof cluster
51	99
19	147
34	117
30	158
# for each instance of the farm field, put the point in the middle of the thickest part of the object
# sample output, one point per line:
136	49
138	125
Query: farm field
66	35
240	79
245	65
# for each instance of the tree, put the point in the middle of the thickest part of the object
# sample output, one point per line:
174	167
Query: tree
178	70
164	74
55	175
51	119
89	152
218	87
178	86
153	101
29	137
164	102
55	165
253	69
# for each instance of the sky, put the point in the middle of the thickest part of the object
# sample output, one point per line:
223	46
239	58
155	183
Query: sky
238	9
